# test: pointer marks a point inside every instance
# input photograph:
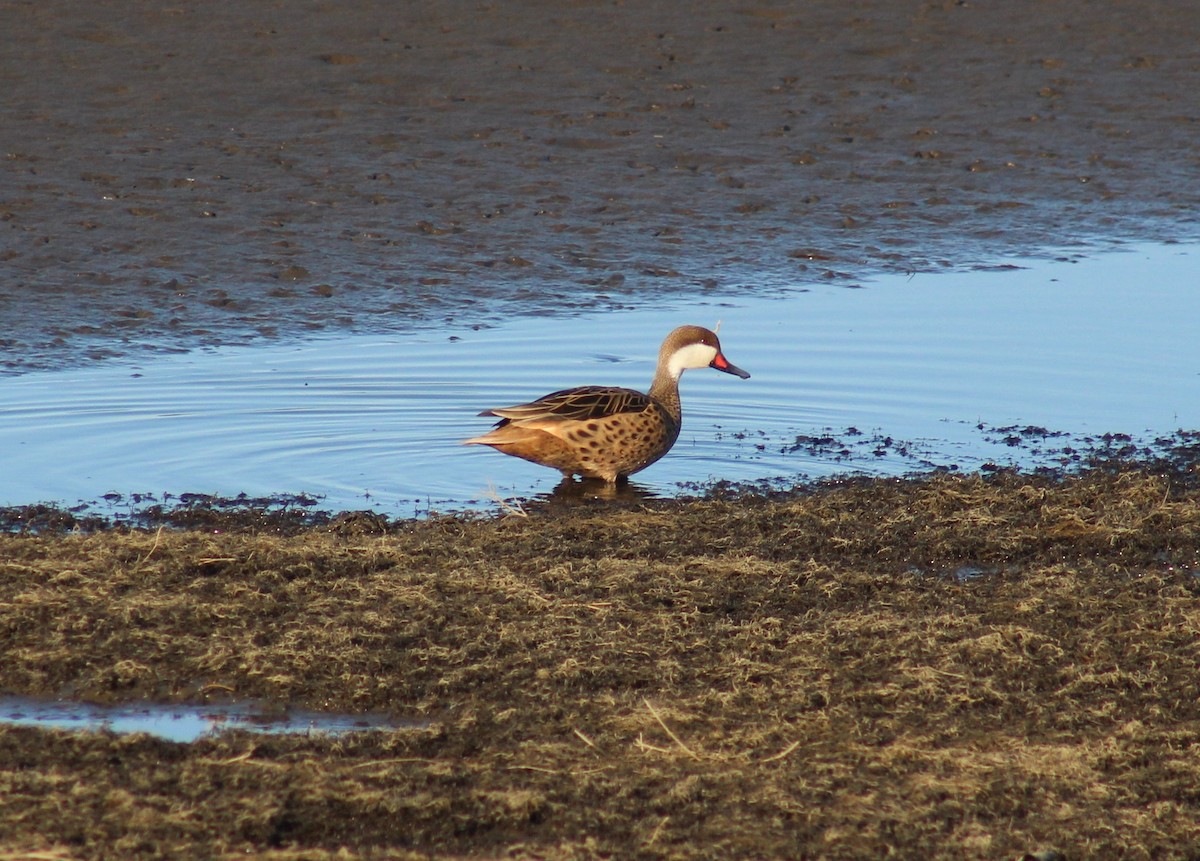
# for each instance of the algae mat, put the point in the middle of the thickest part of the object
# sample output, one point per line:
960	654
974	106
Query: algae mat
946	667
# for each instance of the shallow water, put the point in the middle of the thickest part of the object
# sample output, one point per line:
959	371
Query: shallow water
181	722
905	369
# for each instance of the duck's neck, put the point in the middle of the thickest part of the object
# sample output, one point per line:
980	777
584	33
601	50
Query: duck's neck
665	391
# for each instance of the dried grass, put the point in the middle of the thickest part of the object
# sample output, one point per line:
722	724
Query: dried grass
805	677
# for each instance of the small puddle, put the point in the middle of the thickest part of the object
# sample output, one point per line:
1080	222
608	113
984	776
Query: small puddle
186	723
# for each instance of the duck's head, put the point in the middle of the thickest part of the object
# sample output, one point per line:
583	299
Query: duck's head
695	347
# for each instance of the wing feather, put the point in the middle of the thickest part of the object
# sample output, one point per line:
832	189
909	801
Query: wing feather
580	404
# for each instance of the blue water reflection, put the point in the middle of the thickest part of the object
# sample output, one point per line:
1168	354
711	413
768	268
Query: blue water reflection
182	723
1081	345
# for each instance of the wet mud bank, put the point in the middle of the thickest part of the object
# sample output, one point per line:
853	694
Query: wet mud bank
190	175
943	667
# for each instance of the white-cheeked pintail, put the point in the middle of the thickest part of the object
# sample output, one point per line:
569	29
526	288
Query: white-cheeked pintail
604	431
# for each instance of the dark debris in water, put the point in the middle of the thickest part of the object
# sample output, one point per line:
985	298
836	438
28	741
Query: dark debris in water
852	443
1018	435
1034	448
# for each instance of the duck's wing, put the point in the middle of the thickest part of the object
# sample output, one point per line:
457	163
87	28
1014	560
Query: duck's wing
581	404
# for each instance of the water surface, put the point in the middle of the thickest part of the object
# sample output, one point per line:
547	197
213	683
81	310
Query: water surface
182	722
1083	346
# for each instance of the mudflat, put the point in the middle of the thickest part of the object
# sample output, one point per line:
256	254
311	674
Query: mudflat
946	667
191	174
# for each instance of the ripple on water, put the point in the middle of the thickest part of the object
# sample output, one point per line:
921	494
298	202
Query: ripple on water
1083	346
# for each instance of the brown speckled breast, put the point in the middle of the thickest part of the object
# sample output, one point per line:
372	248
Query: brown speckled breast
620	444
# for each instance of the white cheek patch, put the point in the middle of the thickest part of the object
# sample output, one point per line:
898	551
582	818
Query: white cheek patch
691	356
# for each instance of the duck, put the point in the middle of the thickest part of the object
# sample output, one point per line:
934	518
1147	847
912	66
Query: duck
607	432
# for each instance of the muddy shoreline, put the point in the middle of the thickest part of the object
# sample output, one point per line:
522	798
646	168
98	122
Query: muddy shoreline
182	177
949	666
940	667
